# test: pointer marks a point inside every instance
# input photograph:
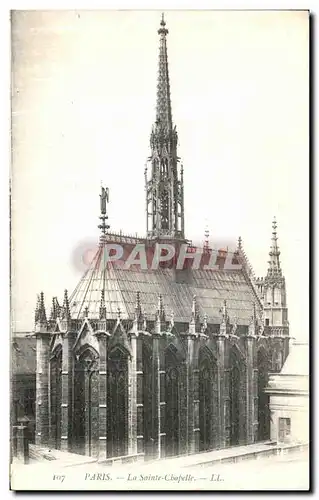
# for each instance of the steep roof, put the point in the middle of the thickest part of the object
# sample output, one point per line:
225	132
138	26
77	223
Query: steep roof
211	288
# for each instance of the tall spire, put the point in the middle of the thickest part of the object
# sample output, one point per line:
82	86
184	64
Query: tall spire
164	185
274	268
163	104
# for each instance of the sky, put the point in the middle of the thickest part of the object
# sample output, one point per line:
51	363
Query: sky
83	103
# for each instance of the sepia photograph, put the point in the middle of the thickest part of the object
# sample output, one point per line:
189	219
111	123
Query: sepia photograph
159	196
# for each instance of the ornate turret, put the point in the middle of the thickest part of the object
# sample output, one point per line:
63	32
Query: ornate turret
164	187
272	289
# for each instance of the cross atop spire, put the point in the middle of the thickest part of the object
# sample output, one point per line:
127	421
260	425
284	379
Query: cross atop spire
274	262
163	31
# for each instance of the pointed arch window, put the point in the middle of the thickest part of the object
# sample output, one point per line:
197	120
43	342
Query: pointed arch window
86	402
208	400
117	402
172	411
263	398
237	395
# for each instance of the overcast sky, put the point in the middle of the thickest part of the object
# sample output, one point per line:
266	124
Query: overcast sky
83	100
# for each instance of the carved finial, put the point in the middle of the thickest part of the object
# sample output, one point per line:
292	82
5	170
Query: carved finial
274	224
194	317
163	31
224	325
138	304
119	314
42	318
274	268
102	306
86	312
253	327
36	311
139	323
224	311
160	316
160	308
239	246
55	309
66	306
206	239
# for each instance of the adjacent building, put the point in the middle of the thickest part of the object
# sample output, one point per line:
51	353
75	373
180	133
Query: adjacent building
289	398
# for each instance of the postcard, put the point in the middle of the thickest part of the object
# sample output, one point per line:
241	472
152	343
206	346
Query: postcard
159	204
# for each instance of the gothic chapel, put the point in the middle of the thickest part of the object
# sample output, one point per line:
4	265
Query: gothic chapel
160	362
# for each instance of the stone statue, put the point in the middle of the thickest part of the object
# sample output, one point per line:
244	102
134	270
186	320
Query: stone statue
104	198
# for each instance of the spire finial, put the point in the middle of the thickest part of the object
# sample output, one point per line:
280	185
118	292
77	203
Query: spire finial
163	31
274	253
118	314
138	302
66	306
240	243
160	308
253	324
206	238
102	306
192	323
224	324
54	309
104	199
160	317
42	317
37	307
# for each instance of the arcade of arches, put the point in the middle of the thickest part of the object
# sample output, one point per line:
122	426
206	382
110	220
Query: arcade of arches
157	397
